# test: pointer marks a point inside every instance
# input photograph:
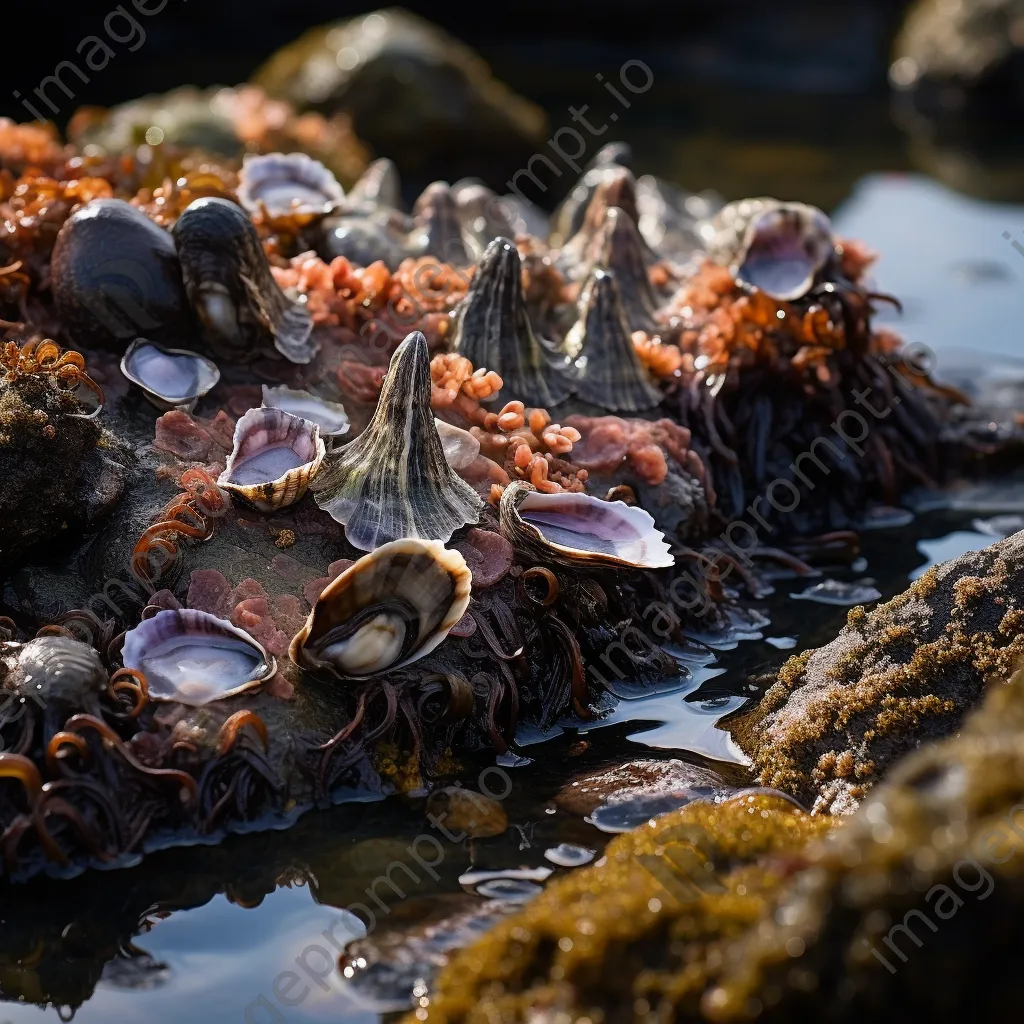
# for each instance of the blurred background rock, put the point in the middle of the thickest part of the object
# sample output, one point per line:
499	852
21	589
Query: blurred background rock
794	98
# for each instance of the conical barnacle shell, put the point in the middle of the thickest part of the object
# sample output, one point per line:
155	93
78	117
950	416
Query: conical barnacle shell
568	217
330	417
172	378
287	183
379	185
578	529
391	608
491	329
609	373
460	447
231	288
193	657
275	456
774	246
615	188
619	247
437	228
393	481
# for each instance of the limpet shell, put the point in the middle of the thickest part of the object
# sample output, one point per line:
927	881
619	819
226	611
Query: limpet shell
389	609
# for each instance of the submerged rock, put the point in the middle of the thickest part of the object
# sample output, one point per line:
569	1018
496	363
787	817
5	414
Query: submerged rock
836	718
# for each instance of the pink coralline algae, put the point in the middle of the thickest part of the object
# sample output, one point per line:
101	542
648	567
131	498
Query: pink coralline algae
488	555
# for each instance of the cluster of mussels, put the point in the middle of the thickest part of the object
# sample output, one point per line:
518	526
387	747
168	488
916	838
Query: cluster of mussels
363	610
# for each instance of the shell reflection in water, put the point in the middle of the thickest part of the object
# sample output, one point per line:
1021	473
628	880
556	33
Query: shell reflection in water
393	480
172	378
391	608
275	456
194	658
288	183
330	417
578	529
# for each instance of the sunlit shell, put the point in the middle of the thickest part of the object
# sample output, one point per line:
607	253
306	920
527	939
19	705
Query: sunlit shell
460	447
491	329
330	417
393	481
573	528
608	372
774	246
484	215
568	217
172	378
619	247
615	187
275	456
193	657
378	185
389	609
240	307
437	227
287	183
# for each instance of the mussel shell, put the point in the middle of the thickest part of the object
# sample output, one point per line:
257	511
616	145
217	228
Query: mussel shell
172	378
421	589
257	434
288	184
49	668
193	657
241	310
115	276
580	530
330	417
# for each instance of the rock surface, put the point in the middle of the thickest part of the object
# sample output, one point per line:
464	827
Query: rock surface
751	909
837	717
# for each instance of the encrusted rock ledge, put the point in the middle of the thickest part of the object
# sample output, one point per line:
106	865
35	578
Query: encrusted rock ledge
739	911
837	717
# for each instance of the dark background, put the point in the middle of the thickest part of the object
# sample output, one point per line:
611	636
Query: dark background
788	97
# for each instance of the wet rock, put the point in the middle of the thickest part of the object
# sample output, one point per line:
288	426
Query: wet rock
412	92
640	780
836	718
462	810
749	910
654	903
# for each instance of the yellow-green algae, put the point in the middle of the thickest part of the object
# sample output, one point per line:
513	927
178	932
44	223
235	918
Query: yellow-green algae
909	910
630	934
837	717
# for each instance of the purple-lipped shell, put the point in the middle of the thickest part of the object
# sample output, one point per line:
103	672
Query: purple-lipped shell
193	657
274	458
172	378
572	528
288	183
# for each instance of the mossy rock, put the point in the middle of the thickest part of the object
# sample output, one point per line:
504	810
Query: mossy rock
836	718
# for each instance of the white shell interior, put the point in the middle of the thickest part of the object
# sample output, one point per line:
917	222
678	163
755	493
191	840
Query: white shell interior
198	669
288	183
171	375
371	649
330	416
784	252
